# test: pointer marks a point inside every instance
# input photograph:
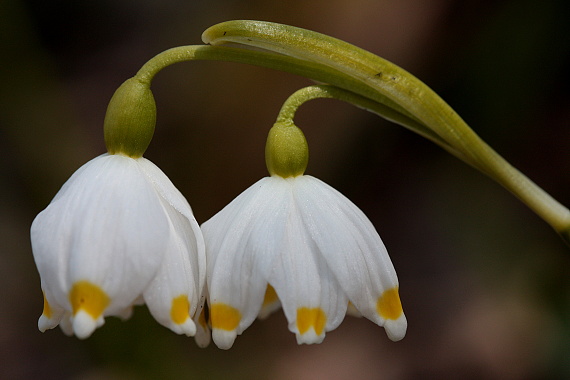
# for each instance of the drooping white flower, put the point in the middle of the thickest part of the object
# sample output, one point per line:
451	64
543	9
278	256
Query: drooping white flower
292	240
118	233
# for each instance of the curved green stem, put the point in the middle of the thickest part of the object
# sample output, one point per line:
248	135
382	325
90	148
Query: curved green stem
386	83
290	106
315	71
380	105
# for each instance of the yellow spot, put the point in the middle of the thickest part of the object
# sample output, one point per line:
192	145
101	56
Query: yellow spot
389	305
307	318
179	311
47	308
270	296
224	317
89	298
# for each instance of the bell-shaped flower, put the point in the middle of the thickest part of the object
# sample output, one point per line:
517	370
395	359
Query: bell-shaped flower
292	240
118	233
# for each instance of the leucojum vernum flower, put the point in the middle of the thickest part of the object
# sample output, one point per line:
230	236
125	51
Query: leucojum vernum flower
119	233
292	239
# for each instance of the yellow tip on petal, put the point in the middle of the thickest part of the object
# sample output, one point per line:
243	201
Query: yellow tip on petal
47	308
224	317
88	297
180	309
311	317
270	296
389	305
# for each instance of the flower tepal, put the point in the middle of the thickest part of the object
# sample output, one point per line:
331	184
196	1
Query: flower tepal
294	240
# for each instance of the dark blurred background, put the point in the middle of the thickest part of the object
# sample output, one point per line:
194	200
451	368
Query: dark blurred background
484	282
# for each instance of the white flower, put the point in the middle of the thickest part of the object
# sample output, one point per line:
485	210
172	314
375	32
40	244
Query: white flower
118	233
299	242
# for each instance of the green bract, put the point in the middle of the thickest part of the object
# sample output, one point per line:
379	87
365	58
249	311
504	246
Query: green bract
286	151
130	119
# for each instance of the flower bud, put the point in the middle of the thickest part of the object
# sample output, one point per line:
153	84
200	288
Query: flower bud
130	119
286	151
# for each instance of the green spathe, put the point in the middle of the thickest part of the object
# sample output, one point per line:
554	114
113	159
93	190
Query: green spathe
286	150
130	119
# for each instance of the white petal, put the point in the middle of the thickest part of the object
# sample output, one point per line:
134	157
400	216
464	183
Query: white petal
183	222
352	249
311	297
237	256
178	280
182	273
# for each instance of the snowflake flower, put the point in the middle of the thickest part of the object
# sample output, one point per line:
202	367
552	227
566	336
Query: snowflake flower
292	240
118	233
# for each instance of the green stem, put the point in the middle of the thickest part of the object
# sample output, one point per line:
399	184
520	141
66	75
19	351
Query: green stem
313	70
316	71
386	83
289	108
321	73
